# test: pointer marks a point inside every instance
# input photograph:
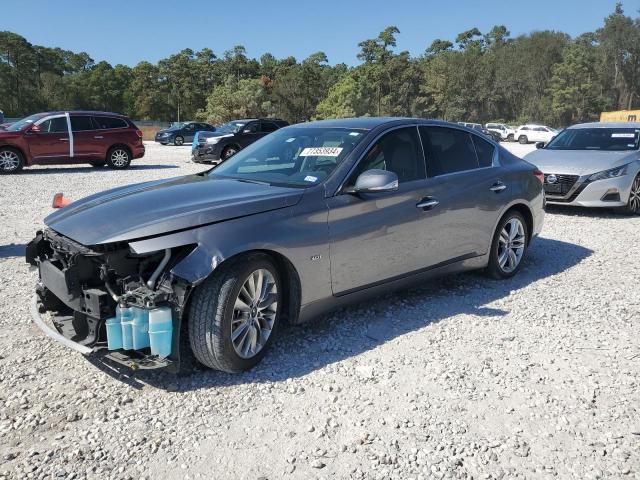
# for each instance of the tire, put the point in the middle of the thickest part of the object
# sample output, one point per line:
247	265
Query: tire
118	158
228	152
213	310
510	138
522	139
11	160
633	204
500	267
178	141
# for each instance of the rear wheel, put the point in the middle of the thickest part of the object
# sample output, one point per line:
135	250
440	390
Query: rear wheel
523	139
633	204
118	158
234	314
508	247
178	141
11	160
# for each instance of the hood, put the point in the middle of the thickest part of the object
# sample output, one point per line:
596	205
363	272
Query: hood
578	162
160	207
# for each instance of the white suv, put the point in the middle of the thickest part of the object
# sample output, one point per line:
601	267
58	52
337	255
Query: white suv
534	133
505	132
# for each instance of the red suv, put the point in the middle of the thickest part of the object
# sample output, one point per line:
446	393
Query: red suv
97	138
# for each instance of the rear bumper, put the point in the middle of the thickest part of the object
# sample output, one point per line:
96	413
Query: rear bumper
613	192
138	151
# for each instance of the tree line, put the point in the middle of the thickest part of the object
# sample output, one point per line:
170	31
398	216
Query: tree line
545	76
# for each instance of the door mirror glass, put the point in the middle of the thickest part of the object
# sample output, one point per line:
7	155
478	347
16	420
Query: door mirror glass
34	129
540	145
375	181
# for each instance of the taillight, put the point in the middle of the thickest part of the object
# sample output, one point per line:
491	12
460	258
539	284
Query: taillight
59	201
539	175
139	133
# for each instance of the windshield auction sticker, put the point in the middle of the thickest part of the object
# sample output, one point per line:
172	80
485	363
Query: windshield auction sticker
623	135
321	152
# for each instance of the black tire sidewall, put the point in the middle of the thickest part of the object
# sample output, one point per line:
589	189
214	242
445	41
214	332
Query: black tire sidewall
116	167
225	156
178	141
523	140
20	161
494	269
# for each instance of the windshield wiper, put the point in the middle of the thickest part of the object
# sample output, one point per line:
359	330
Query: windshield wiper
246	180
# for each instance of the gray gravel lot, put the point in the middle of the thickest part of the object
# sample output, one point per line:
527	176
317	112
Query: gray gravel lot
464	377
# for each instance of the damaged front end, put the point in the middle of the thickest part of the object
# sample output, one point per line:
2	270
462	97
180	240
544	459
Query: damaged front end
85	290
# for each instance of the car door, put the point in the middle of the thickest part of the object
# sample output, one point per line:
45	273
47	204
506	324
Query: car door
87	141
249	134
464	177
50	140
189	132
378	236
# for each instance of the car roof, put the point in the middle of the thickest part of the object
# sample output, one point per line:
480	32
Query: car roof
81	112
369	123
607	125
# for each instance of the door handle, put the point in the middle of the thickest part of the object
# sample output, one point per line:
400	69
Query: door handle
427	203
98	136
498	187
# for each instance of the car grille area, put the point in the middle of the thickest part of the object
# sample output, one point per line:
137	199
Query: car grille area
559	185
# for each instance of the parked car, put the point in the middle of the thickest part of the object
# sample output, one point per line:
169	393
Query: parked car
306	219
534	133
233	136
506	133
593	165
51	138
181	132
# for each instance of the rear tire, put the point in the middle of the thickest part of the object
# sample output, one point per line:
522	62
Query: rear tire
509	246
231	327
523	140
11	160
178	141
633	204
118	158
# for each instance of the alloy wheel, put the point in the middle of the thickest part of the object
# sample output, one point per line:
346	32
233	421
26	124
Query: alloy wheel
229	152
254	313
9	161
511	245
119	158
634	196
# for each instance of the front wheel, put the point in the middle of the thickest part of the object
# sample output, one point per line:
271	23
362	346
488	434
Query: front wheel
633	204
234	314
178	141
11	160
510	138
522	139
118	158
508	247
228	152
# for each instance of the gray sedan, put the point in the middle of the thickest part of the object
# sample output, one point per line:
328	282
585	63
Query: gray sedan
307	219
593	165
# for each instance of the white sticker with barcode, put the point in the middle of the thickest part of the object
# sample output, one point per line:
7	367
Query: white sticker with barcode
623	135
310	178
321	152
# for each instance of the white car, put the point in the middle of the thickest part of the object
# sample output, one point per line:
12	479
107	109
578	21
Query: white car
534	133
506	133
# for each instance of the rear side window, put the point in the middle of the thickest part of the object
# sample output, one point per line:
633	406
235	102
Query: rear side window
110	122
398	151
80	123
269	127
484	151
54	125
448	150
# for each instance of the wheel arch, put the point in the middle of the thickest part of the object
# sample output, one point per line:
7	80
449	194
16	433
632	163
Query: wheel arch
526	212
121	145
17	149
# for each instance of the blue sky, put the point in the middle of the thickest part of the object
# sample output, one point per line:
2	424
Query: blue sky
129	31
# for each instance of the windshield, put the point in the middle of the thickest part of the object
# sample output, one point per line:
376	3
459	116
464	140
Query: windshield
292	156
607	139
231	127
25	122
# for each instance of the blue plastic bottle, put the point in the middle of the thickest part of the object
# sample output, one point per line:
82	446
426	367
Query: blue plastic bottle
160	331
140	328
114	333
125	314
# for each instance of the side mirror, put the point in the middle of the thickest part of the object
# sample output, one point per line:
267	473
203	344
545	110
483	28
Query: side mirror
375	181
33	129
540	145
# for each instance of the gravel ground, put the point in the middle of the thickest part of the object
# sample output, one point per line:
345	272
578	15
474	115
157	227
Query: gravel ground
535	377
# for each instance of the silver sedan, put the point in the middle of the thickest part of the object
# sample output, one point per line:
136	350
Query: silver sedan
592	165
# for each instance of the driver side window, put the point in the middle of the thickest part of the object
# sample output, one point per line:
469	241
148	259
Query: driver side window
399	152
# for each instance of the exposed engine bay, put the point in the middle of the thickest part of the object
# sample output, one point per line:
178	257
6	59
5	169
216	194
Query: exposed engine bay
81	287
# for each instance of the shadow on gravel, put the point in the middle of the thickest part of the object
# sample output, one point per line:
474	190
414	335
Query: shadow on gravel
585	212
350	331
90	169
12	250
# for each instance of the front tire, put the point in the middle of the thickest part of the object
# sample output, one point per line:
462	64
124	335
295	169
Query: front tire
523	140
633	204
234	314
510	138
178	141
11	161
508	247
118	158
228	152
